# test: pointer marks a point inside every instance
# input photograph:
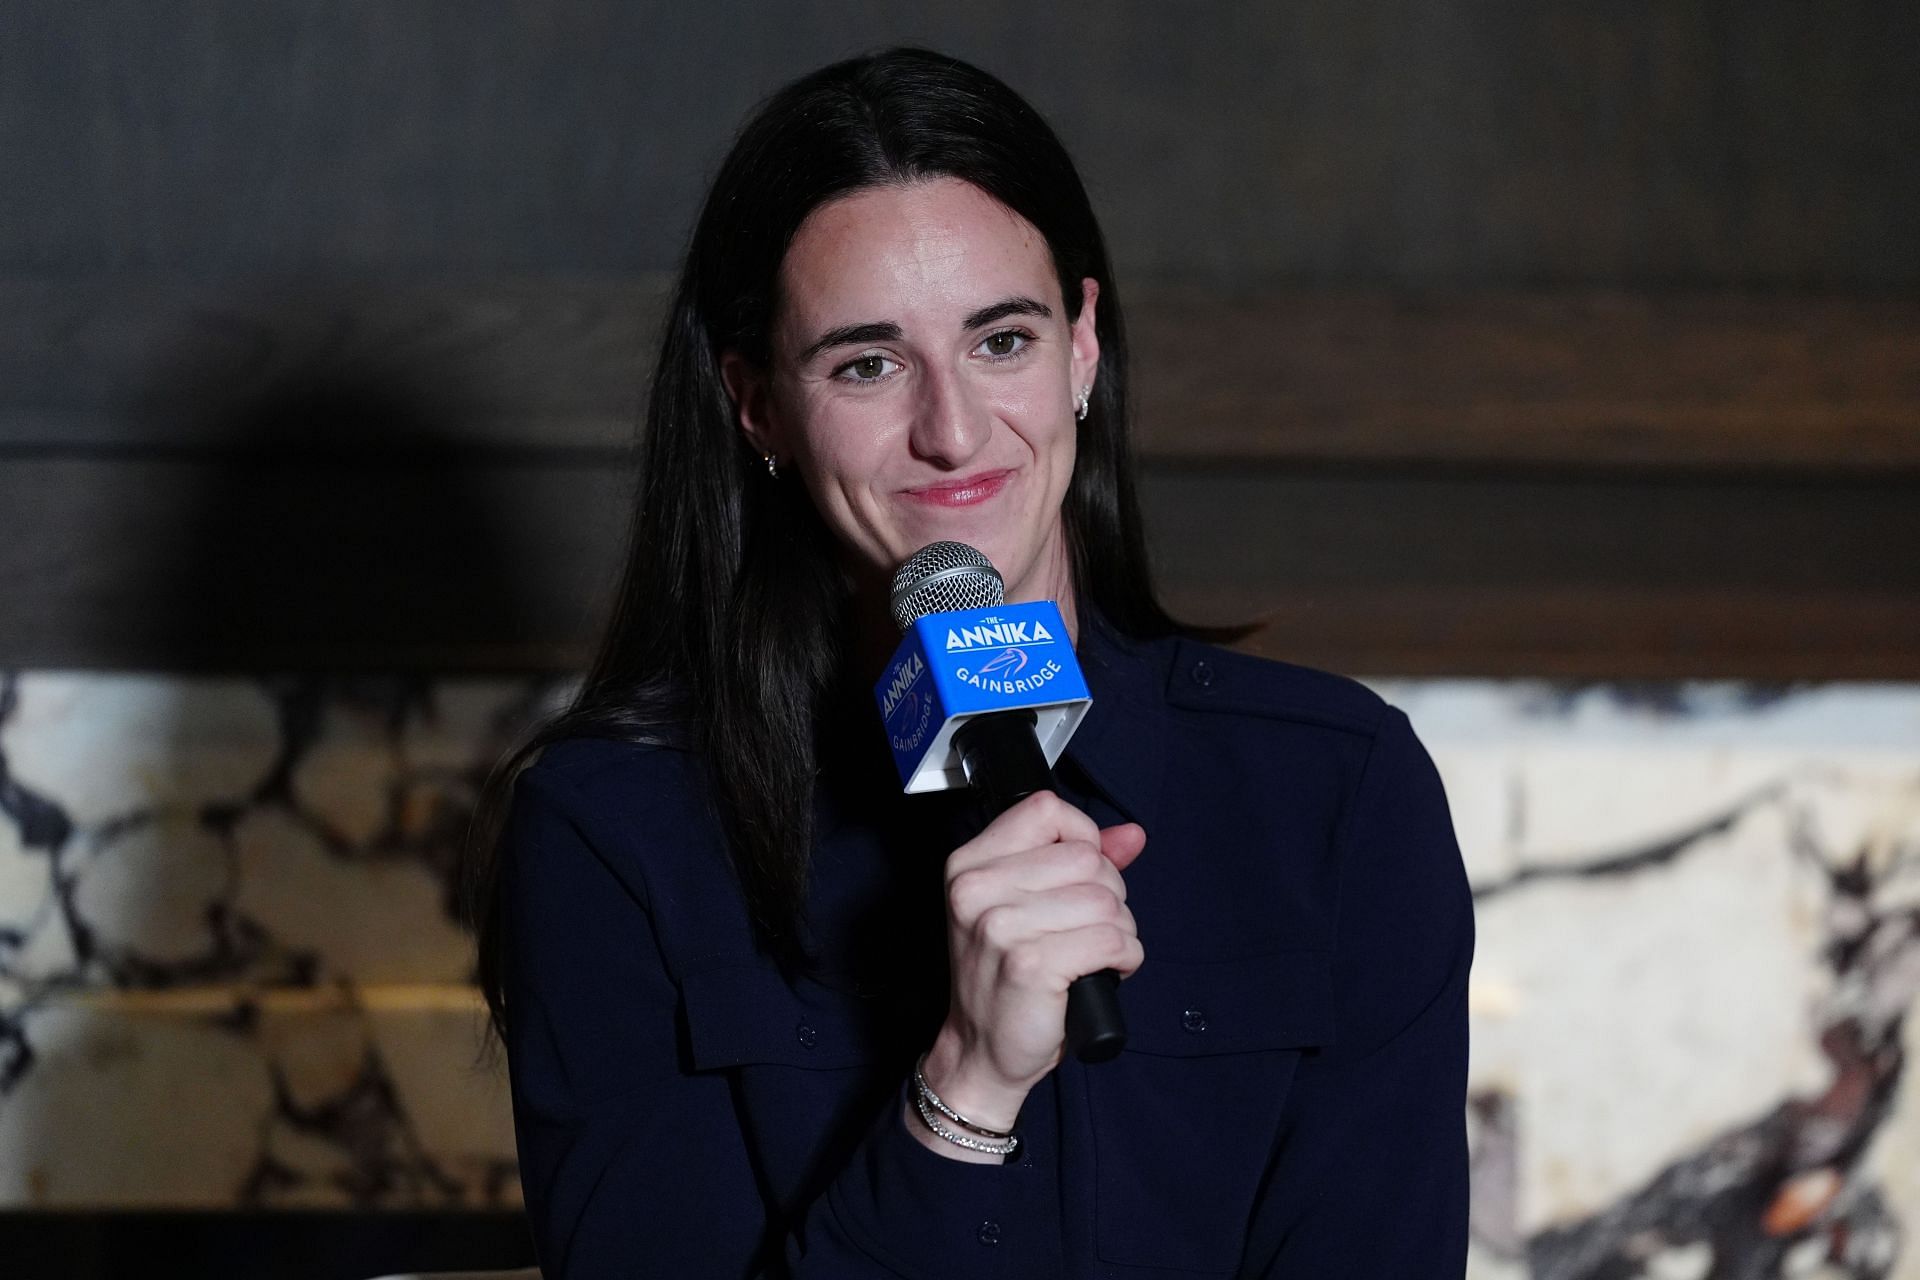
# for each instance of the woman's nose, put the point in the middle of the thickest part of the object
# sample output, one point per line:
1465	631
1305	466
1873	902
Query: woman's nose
948	428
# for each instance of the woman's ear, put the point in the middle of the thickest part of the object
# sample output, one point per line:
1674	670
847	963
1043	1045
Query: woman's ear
1086	340
748	387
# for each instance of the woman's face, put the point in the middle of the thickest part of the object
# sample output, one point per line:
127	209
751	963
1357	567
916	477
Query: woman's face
923	381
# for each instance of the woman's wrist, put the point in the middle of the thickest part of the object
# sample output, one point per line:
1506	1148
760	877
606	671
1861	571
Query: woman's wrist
975	1094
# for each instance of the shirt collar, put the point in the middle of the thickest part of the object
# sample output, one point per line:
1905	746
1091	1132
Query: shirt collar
1121	745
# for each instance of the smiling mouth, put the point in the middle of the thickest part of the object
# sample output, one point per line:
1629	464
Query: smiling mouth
963	493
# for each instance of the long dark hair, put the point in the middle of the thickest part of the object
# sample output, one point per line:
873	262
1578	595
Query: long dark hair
732	601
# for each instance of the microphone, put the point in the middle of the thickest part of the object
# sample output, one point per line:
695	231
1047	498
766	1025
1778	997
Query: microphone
1001	683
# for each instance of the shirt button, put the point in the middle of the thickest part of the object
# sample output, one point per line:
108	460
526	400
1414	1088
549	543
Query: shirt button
806	1035
1194	1020
989	1233
1202	674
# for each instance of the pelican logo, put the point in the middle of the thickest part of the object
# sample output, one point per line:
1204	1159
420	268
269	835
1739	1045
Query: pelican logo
1006	664
998	675
908	731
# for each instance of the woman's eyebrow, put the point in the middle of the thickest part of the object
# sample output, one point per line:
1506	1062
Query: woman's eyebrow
1014	306
848	334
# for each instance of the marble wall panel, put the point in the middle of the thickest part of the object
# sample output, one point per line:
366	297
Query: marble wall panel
229	973
1698	947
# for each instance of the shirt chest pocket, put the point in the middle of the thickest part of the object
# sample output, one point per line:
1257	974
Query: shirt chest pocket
745	1015
810	1066
1186	1117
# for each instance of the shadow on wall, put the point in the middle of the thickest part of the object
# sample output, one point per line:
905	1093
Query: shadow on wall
342	519
230	971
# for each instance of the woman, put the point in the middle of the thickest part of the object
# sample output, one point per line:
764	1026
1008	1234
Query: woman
733	967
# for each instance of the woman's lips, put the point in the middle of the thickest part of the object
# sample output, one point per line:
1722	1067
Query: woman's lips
963	493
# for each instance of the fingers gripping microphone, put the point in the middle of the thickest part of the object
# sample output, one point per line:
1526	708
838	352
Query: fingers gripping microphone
984	695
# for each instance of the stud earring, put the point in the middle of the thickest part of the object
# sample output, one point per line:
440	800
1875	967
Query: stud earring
773	468
1081	403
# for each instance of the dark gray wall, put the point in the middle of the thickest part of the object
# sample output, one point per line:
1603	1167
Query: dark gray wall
1377	142
1496	337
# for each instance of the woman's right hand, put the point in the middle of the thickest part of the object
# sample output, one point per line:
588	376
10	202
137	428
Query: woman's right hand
1033	902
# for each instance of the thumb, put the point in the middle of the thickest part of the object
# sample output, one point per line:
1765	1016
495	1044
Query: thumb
1122	843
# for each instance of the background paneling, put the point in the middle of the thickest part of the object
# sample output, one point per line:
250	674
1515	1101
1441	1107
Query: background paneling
1622	142
1494	339
496	566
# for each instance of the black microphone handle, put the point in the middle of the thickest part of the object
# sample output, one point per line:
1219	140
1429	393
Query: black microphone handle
1004	764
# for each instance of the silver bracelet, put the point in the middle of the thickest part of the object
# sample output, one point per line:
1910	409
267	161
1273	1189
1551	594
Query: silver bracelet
1005	1148
997	1142
926	1091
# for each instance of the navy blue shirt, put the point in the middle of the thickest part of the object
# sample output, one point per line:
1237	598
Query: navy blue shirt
1290	1103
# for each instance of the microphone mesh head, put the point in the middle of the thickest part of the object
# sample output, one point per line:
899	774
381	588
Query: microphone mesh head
943	576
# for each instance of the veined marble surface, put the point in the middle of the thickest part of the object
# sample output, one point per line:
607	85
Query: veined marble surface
1698	913
229	973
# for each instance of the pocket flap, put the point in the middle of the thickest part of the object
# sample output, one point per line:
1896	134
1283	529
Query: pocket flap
1188	1008
747	1014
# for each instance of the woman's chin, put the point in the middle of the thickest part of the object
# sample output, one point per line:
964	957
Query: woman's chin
977	532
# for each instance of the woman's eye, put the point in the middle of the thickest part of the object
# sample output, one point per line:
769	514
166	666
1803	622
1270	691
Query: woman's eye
869	368
1005	343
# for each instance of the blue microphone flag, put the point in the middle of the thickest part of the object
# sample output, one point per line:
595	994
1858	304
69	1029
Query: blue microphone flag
955	665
